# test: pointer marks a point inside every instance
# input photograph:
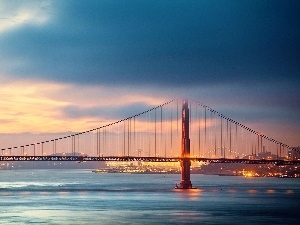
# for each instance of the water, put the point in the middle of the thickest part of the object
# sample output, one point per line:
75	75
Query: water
83	197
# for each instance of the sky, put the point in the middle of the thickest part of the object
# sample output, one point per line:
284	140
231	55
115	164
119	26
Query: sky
76	65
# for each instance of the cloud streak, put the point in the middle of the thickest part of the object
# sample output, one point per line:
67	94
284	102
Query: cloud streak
16	14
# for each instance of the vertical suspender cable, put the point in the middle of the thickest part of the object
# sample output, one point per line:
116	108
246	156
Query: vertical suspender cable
177	116
204	126
171	133
105	140
236	140
154	132
100	142
150	133
230	140
165	128
128	137
215	145
199	132
227	129
78	145
221	138
118	139
160	146
190	119
280	150
72	145
97	154
226	142
124	135
257	144
134	140
108	138
261	144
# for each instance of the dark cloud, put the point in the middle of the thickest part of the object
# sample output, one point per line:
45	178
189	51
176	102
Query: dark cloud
167	43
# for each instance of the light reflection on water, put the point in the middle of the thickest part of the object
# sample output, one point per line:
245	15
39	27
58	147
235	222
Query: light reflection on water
289	192
83	197
232	191
251	191
271	191
190	194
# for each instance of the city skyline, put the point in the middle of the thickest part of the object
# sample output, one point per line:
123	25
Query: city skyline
73	66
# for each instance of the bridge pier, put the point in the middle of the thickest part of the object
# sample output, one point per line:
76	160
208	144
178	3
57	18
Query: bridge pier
185	150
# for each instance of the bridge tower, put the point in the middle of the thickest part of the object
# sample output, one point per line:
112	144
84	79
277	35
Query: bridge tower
185	149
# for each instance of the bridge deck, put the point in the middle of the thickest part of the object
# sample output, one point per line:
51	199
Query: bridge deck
147	159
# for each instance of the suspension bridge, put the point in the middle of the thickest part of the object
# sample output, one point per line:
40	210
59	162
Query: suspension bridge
176	131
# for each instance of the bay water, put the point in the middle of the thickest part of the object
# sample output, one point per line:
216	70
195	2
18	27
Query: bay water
84	197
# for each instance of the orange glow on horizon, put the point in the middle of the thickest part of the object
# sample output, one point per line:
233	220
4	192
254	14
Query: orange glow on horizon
34	106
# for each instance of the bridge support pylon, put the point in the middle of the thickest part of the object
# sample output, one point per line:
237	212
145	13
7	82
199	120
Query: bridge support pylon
185	150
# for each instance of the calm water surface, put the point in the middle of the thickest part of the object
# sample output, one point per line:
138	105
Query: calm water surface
83	197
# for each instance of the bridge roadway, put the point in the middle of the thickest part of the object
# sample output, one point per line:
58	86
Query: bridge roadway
278	162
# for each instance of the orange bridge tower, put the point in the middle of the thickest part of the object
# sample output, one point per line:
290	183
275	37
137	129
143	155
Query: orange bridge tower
185	149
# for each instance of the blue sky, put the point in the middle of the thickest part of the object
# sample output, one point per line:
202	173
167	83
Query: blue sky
79	60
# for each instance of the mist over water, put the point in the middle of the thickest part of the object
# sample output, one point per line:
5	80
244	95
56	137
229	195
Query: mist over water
83	197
